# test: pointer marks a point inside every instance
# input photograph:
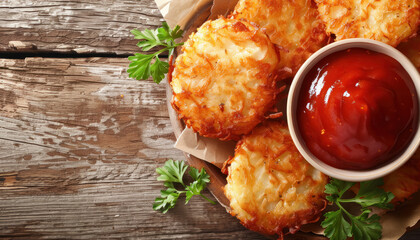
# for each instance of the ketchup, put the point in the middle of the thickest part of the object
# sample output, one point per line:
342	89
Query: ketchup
357	109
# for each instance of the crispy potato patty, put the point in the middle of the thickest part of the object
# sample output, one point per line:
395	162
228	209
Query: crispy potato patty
224	81
388	21
271	188
294	26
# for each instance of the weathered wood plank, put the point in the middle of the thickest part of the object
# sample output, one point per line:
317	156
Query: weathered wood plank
79	145
76	26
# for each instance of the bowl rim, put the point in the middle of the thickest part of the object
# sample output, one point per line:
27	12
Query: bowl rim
294	91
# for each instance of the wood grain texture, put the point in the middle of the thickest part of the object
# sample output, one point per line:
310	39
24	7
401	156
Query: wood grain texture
77	26
79	145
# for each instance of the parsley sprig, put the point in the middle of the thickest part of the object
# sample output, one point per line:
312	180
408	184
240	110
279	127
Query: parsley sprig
173	172
341	224
143	66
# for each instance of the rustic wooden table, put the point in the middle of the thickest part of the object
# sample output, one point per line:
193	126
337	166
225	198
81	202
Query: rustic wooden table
79	140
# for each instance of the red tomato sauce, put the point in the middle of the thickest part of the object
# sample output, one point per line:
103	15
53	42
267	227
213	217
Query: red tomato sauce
357	109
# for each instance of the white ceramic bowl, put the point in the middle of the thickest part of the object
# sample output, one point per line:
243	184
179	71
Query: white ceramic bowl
292	101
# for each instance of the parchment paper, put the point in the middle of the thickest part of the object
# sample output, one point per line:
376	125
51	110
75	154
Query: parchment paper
212	150
179	12
182	12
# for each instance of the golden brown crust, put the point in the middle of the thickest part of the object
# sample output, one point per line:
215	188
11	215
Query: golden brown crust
389	21
271	188
294	26
224	82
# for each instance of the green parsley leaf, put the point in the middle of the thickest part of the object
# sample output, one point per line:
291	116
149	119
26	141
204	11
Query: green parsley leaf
371	195
140	65
200	181
143	66
365	227
337	187
193	189
166	201
158	70
173	172
177	32
336	227
169	184
164	33
199	176
149	37
341	224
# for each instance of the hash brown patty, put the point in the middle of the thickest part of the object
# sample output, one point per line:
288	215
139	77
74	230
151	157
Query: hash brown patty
294	26
271	188
225	80
388	21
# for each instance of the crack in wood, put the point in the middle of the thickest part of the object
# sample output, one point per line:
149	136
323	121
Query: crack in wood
23	142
